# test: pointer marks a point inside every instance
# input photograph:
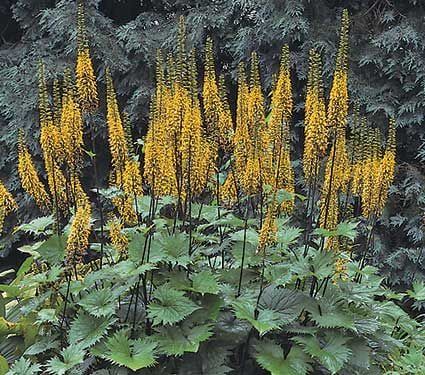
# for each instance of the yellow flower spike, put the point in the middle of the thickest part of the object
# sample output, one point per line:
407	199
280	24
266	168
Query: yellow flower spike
7	204
132	178
261	152
337	165
118	239
242	140
78	239
278	128
338	102
218	118
30	181
229	190
57	103
316	132
268	232
116	132
125	206
181	67
161	139
340	269
210	95
225	120
84	72
51	143
86	82
71	125
386	169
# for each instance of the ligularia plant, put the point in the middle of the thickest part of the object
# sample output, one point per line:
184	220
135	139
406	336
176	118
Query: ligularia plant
204	250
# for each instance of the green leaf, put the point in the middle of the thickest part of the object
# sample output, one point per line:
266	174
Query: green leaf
87	330
178	340
42	345
175	248
287	303
24	367
270	357
360	353
71	357
99	302
37	226
205	282
24	268
418	291
171	306
332	354
136	247
288	235
134	354
347	229
4	366
46	316
53	249
329	314
279	274
344	229
266	321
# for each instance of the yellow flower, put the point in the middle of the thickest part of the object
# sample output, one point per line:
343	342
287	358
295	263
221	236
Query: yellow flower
30	181
337	165
161	141
229	190
118	239
86	82
7	204
78	239
132	178
315	132
218	119
268	232
279	126
252	149
84	72
51	144
117	134
71	126
340	269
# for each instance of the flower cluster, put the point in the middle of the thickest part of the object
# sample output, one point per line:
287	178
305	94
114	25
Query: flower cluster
7	204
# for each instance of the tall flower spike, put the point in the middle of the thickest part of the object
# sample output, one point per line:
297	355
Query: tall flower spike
242	141
85	77
118	239
7	204
51	143
278	127
78	239
194	150
259	165
30	181
386	168
225	120
117	134
338	103
210	95
57	102
268	232
71	125
315	131
336	178
160	156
